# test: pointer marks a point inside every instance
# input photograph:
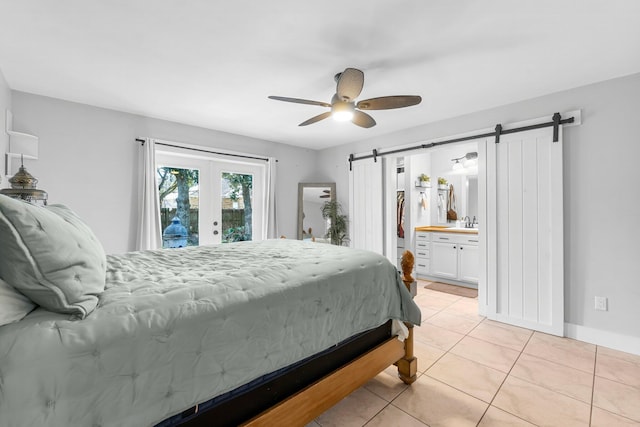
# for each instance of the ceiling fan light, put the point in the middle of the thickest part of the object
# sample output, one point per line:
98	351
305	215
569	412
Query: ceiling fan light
342	111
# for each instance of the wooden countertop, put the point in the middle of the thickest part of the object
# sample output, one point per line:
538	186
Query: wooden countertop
445	229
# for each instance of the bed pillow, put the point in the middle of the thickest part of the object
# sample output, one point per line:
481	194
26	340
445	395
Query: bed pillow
51	256
13	305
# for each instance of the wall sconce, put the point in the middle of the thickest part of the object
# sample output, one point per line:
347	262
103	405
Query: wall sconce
469	160
21	145
23	184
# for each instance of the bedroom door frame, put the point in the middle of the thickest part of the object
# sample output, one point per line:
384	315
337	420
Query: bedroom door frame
211	168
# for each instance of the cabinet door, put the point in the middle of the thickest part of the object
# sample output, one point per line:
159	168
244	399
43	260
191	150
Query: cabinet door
444	260
468	263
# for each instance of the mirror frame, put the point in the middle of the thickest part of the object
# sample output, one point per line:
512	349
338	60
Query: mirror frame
301	187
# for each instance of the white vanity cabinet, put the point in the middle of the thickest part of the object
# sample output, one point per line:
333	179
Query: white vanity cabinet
468	265
454	256
445	260
423	253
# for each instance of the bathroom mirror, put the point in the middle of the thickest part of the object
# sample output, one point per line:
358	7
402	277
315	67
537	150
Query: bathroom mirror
311	197
472	196
466	195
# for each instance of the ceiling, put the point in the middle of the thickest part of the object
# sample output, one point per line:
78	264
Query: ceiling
213	63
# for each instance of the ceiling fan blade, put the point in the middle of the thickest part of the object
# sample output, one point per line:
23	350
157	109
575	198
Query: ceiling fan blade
389	102
350	84
363	119
300	101
316	119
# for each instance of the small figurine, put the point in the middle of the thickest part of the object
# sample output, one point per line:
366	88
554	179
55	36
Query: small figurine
407	267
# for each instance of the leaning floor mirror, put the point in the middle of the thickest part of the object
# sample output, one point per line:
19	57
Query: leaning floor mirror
311	197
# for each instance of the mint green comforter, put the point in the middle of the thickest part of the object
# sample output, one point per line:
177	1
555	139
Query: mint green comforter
177	327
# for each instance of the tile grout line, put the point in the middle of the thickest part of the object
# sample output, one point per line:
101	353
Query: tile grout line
499	345
403	391
546	359
377	413
505	378
613	380
400	409
593	385
503	381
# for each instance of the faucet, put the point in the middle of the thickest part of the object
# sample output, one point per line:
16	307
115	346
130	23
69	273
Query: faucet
474	222
467	222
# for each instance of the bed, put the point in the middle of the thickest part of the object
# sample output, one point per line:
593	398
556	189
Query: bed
171	336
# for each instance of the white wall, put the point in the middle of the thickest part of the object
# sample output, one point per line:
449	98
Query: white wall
89	161
602	198
5	104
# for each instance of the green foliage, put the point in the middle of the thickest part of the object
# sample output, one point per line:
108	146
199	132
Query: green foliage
242	185
337	232
235	234
442	181
424	178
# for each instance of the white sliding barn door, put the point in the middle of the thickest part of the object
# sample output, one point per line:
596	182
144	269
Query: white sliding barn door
365	206
525	268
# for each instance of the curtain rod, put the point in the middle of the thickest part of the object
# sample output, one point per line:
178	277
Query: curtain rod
557	121
142	141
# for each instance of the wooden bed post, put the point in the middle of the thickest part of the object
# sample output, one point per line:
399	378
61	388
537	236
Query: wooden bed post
408	365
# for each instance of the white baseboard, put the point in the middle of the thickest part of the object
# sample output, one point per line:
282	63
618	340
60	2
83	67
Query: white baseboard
626	343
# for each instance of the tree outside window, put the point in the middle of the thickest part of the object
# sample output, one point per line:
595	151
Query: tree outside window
237	210
179	197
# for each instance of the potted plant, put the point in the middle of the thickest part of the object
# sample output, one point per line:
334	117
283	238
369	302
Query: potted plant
424	180
337	231
442	183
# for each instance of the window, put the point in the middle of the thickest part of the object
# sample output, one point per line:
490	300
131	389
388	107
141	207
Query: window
205	200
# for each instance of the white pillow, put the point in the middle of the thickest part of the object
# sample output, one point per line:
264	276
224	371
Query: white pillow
13	305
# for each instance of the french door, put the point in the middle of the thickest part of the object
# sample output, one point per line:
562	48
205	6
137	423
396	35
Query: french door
215	200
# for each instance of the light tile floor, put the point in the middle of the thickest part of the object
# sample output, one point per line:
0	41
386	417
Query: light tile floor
476	372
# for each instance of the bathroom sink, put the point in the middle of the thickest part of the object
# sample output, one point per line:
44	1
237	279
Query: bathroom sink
462	228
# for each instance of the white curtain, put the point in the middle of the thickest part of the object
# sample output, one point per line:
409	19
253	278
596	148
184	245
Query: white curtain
270	228
149	228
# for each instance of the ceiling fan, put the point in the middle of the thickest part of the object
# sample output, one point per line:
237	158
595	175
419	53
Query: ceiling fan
343	105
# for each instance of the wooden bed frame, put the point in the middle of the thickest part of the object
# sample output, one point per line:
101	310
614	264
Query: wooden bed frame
306	405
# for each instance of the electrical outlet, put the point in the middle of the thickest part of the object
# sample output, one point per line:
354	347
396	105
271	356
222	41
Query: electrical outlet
601	303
